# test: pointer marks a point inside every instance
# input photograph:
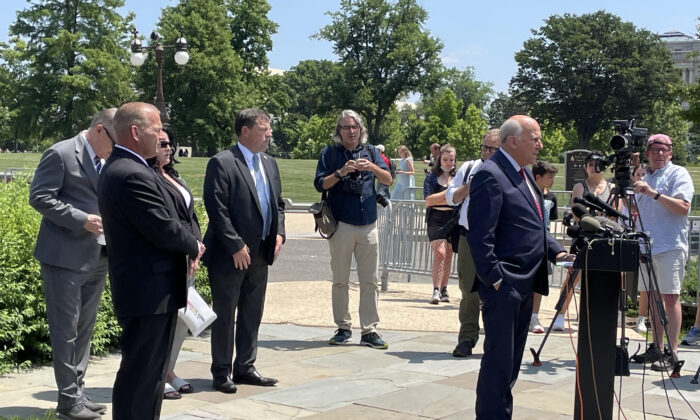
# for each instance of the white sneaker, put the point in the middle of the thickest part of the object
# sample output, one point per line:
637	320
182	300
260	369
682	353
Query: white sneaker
436	297
558	323
535	325
641	326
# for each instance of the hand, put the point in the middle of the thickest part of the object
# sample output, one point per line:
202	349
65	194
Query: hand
93	224
194	264
364	164
278	246
644	188
241	259
564	257
349	167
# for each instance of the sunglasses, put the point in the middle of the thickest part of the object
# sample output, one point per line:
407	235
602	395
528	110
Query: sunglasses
164	144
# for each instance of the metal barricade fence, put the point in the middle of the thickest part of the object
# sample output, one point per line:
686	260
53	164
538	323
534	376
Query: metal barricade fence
404	246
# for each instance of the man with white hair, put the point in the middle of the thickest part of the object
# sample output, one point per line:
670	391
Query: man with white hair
663	198
346	170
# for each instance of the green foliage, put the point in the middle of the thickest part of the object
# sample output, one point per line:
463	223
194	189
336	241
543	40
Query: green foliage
313	136
251	33
553	141
467	89
667	117
590	69
385	53
70	61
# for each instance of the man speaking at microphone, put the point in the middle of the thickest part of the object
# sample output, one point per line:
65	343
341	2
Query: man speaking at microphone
510	247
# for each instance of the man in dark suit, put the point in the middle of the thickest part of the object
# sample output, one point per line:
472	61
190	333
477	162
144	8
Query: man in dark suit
243	198
510	248
147	249
70	248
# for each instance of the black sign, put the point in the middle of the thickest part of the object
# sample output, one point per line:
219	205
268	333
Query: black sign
574	168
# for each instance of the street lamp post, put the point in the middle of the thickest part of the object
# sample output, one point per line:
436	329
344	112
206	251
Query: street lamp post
138	57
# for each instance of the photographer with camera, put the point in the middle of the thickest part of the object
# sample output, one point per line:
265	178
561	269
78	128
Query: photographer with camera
663	199
347	170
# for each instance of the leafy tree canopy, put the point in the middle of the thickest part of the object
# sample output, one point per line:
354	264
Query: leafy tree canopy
591	69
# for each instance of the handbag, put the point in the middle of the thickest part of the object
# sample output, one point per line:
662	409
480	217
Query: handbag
323	216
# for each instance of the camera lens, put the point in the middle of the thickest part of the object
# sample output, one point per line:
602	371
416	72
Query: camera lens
618	142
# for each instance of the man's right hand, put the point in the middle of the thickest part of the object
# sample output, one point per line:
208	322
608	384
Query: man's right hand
93	224
241	259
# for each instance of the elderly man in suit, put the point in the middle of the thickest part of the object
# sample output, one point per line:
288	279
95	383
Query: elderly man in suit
510	247
243	198
70	248
147	249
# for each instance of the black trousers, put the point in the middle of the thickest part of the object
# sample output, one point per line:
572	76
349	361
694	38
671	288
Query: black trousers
238	297
145	344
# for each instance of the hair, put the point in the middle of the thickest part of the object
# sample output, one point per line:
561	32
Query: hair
350	113
511	127
403	148
169	167
104	118
641	165
543	167
248	117
434	146
131	113
592	156
492	132
437	168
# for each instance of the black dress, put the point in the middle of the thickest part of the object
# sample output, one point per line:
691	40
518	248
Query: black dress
437	218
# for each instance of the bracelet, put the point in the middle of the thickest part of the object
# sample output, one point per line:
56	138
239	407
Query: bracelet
656	197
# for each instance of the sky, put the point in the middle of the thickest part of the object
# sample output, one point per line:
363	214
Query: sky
481	35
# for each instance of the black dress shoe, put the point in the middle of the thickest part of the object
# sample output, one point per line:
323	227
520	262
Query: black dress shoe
255	378
225	385
463	349
97	408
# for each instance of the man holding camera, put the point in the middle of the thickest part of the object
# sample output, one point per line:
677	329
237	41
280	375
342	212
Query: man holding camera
663	197
347	170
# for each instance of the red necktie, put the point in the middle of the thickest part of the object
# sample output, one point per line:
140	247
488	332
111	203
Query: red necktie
539	210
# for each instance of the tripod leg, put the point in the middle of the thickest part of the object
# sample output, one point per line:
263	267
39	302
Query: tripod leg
695	378
570	277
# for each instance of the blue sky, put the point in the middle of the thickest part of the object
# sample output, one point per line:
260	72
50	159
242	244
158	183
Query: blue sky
482	35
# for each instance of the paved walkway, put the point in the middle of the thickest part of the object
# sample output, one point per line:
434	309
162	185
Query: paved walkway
416	378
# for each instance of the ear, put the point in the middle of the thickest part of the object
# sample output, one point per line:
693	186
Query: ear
134	132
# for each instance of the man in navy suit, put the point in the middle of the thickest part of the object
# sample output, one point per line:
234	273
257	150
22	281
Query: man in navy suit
510	247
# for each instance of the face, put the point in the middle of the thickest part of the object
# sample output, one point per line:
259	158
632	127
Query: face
104	143
435	151
257	137
489	146
591	170
350	133
658	155
164	153
149	136
545	181
638	174
447	161
528	144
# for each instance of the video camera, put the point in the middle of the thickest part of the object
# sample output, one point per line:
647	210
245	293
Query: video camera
628	140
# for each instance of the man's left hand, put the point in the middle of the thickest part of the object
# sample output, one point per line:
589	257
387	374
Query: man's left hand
564	257
278	246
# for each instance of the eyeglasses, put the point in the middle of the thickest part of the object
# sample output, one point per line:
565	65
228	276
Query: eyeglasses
164	144
492	149
109	136
659	150
349	127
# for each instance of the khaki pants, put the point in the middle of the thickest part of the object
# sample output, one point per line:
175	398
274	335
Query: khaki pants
469	305
361	240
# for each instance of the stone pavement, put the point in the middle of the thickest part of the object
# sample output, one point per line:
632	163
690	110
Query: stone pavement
416	378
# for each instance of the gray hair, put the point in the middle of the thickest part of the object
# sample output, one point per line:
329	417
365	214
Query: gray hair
358	120
510	128
491	133
103	118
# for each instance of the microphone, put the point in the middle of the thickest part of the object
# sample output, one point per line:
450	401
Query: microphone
589	224
607	223
573	231
592	206
609	210
579	210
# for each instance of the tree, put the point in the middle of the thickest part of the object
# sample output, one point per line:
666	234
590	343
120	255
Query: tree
314	87
385	53
76	55
204	95
467	89
503	107
591	69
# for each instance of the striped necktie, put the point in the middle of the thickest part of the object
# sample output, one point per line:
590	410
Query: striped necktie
98	164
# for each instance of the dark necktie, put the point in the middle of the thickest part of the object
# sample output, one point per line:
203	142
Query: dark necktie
98	164
539	210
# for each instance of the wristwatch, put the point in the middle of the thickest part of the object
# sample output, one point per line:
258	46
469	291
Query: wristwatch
338	175
656	197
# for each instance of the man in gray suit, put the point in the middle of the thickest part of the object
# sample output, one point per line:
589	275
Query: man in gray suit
70	248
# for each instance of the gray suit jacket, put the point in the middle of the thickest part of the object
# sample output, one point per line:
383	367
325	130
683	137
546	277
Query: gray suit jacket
64	191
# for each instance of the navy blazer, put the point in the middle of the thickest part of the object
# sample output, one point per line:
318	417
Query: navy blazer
507	237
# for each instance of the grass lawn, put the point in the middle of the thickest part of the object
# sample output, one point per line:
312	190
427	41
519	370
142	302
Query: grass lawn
297	175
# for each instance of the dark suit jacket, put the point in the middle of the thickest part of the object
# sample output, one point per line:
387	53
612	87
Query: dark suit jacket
64	191
507	238
146	244
185	213
235	218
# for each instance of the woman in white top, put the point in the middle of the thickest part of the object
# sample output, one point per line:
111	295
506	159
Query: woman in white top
404	176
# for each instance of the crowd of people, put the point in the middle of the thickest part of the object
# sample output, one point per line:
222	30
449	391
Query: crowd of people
112	201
